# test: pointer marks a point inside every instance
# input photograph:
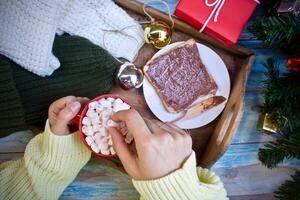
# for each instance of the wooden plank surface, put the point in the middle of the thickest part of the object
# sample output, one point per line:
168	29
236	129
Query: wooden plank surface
252	179
243	175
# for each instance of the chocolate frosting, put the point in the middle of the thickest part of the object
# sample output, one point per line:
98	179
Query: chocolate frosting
180	76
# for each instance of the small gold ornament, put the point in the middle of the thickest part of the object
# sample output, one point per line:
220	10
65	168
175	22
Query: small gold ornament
266	123
158	33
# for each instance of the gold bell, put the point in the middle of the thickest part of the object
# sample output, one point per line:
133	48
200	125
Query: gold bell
158	33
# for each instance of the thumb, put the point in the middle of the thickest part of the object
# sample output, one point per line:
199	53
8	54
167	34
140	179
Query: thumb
65	116
69	112
122	149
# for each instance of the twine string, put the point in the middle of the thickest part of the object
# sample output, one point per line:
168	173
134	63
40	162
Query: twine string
117	31
167	6
121	31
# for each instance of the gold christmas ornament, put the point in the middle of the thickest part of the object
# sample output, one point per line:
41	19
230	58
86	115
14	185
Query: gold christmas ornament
266	123
158	33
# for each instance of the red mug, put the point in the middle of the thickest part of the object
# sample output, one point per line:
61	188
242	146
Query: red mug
78	120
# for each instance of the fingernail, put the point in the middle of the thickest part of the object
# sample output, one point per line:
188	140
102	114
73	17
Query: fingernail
75	106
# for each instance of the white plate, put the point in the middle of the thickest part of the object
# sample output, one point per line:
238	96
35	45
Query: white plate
216	68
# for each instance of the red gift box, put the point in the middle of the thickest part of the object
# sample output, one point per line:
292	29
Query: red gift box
232	18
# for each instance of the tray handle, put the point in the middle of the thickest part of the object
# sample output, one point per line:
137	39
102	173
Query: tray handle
229	120
227	124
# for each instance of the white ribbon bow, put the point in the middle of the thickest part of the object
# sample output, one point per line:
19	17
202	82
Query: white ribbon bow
217	4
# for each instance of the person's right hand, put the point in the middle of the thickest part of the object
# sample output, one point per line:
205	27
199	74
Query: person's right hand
161	148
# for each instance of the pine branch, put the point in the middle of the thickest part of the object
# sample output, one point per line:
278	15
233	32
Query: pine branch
282	97
281	32
271	5
290	189
275	152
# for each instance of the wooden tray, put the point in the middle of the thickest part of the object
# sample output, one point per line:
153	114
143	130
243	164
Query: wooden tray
212	140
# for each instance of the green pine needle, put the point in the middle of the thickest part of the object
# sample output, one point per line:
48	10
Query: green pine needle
275	152
282	103
290	189
282	97
282	94
279	32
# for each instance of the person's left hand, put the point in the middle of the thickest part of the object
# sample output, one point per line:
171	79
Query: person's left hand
62	111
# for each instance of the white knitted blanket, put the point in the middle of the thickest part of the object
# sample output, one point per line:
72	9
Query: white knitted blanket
28	29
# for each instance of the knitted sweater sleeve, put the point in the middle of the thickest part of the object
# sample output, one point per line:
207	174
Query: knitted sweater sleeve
187	183
49	165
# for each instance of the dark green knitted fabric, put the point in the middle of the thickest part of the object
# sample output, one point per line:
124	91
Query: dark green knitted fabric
12	116
86	70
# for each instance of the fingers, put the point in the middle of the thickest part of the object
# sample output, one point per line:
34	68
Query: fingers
122	149
83	101
134	122
65	116
61	103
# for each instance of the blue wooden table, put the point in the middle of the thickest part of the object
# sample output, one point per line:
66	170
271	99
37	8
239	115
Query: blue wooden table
243	175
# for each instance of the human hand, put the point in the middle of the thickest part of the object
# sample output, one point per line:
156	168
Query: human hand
160	148
62	111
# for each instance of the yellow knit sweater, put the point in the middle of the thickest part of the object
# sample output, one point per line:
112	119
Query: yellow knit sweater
52	162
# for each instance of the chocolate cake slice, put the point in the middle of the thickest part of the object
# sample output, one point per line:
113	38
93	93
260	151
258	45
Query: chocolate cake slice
179	76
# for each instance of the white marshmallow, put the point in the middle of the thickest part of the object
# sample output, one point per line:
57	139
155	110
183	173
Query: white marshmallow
103	131
91	113
103	146
87	130
105	103
117	103
101	142
105	152
95	148
95	121
99	108
105	119
112	123
112	150
106	139
110	143
118	100
125	104
117	108
110	99
86	121
99	101
93	105
97	128
89	140
107	113
97	136
120	107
